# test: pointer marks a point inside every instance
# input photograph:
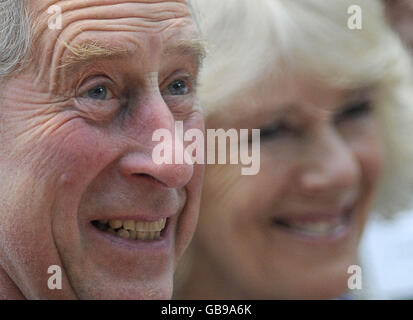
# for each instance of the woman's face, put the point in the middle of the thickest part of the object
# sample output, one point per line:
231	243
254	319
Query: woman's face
293	230
400	14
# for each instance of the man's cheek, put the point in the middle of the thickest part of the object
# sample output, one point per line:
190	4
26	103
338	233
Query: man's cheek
195	120
28	245
28	129
63	149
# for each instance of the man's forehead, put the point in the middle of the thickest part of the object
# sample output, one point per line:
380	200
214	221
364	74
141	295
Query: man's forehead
70	18
103	28
42	11
42	5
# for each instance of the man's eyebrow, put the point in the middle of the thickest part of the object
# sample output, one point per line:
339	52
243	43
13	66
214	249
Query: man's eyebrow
194	48
85	52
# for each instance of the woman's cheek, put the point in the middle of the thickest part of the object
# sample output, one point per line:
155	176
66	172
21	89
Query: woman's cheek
367	146
372	159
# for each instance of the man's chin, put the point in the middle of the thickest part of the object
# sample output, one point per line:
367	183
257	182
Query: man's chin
108	269
125	289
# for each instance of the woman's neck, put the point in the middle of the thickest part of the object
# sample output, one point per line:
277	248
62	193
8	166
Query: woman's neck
206	280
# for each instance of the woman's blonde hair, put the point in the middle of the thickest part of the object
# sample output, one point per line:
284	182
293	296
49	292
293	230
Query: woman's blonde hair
247	39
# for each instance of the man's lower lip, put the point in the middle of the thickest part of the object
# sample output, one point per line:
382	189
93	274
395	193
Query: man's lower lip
163	243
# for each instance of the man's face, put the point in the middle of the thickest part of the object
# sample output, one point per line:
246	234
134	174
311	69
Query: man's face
76	148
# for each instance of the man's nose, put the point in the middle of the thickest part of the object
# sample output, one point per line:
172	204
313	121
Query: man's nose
139	164
152	116
329	166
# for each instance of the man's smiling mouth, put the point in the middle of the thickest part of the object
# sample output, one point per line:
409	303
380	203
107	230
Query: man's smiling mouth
131	229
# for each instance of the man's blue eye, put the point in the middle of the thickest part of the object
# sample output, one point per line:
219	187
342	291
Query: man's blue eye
98	93
178	88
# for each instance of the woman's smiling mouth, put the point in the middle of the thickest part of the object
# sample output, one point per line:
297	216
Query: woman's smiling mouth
316	226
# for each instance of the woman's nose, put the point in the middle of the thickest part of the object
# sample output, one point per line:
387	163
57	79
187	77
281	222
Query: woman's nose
329	164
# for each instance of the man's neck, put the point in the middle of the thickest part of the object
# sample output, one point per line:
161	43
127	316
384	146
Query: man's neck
8	289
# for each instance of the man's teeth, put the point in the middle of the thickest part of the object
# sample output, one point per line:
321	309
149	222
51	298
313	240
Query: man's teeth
135	230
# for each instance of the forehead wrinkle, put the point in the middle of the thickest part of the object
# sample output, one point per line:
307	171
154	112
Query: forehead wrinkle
155	11
42	5
82	12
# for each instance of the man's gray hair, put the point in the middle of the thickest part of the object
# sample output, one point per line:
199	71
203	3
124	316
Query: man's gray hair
14	35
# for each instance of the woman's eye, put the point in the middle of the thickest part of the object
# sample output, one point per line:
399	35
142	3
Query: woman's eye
276	131
354	111
99	93
178	88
